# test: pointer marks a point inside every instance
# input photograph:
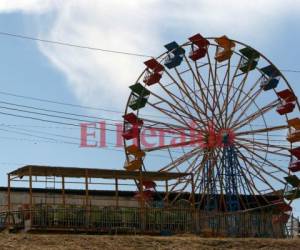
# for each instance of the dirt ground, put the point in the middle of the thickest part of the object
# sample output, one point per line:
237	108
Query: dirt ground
74	242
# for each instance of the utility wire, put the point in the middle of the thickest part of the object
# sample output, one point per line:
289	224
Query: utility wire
69	104
43	114
55	140
61	112
60	103
66	104
39	119
72	45
14	35
55	116
58	122
12	129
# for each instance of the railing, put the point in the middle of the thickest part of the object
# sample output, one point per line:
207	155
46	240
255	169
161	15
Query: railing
148	220
152	220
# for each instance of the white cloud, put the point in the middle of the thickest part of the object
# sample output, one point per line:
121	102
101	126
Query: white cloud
102	78
138	26
35	6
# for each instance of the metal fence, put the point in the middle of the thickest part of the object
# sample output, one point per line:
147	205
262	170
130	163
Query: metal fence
164	221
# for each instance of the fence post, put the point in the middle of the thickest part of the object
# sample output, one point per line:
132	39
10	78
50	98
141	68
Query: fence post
8	199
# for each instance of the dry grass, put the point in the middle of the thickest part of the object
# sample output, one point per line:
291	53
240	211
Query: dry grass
74	242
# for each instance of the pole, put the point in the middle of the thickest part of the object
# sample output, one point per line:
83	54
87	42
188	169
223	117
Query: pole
30	194
193	191
117	192
63	191
167	193
87	210
86	189
8	197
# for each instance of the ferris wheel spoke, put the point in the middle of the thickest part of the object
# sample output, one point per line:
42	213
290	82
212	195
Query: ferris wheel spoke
265	160
196	78
173	145
176	99
179	160
194	90
252	96
212	74
199	169
230	84
169	128
187	182
181	108
183	91
247	101
206	97
269	145
192	167
189	169
261	162
221	180
250	101
259	147
259	172
250	179
252	176
255	115
251	182
263	130
240	90
219	100
225	81
187	89
200	81
249	188
176	108
166	124
205	189
177	117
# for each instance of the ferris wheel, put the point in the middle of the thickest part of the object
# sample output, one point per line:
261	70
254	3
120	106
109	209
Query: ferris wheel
224	113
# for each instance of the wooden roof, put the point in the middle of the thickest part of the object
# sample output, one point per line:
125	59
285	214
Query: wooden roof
76	172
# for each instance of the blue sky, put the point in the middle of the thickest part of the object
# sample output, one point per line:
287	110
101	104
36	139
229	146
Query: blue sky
101	79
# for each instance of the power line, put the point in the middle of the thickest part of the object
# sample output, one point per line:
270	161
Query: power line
60	112
2	33
70	104
52	134
55	121
72	45
59	103
55	140
58	116
39	119
43	114
37	126
54	116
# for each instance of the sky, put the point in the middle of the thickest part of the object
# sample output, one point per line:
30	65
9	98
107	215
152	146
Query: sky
98	79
